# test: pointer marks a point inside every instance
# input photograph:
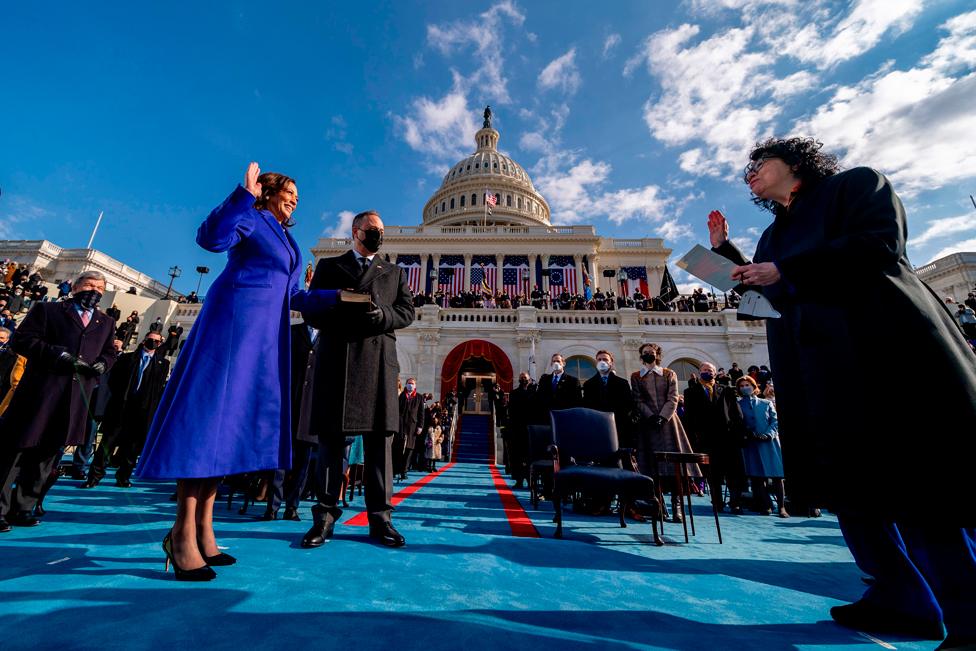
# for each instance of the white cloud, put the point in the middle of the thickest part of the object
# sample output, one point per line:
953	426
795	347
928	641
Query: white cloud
672	230
908	123
943	227
561	73
610	44
16	210
443	128
343	225
721	92
958	247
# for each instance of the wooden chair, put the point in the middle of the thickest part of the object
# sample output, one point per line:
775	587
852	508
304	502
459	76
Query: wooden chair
679	461
586	458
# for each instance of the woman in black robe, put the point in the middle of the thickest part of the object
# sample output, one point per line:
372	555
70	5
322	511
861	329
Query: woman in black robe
895	470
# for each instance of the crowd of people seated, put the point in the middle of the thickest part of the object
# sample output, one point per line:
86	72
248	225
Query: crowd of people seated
731	416
697	301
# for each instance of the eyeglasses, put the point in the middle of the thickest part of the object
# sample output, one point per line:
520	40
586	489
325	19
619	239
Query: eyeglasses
754	166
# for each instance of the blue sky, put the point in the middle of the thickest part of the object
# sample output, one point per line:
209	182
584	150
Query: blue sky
633	116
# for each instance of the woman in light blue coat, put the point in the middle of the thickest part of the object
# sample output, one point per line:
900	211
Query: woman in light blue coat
761	454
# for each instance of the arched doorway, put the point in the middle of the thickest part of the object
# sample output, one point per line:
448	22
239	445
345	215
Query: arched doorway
469	365
684	368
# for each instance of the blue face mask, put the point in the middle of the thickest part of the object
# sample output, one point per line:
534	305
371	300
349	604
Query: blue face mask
706	376
746	391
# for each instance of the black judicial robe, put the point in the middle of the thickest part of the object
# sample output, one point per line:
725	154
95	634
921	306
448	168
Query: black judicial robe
859	355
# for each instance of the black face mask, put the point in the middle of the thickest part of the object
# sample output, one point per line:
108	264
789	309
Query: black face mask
151	344
648	358
373	239
87	299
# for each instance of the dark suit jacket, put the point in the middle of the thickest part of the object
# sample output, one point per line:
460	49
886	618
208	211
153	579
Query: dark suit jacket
127	408
411	417
615	397
713	421
50	406
356	366
566	395
302	377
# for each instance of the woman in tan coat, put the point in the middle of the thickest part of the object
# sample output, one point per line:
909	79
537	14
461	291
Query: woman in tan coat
655	391
434	439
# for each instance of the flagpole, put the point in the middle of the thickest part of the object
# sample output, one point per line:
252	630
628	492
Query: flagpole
484	199
95	230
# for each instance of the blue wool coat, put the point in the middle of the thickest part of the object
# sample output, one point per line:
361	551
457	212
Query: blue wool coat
761	458
226	407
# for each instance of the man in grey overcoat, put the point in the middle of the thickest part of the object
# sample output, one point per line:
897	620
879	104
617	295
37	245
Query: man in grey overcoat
355	385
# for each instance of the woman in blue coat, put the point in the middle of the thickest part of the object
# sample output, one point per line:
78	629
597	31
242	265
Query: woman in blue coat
761	455
225	409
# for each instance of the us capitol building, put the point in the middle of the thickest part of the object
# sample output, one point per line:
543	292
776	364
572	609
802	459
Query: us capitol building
459	245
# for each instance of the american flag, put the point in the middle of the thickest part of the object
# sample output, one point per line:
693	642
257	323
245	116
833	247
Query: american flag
412	267
636	279
490	201
450	275
562	274
483	278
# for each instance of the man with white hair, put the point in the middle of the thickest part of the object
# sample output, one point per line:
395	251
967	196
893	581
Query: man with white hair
67	346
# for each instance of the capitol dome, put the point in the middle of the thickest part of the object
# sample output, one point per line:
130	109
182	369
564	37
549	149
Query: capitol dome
461	198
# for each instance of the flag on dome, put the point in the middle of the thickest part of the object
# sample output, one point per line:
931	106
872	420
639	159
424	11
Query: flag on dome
636	280
490	201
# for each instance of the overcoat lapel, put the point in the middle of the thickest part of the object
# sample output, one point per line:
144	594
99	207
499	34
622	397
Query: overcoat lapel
69	308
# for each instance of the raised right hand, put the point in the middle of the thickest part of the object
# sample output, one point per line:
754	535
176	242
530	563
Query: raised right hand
251	180
718	229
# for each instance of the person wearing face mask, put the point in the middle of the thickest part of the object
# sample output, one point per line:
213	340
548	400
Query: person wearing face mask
556	389
356	370
607	391
67	346
225	410
17	300
655	392
762	455
713	419
136	386
411	426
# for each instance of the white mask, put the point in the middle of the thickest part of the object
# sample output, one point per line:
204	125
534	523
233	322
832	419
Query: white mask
557	367
410	387
602	366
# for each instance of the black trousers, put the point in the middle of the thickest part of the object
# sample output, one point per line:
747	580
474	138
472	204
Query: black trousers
130	437
377	474
30	468
288	485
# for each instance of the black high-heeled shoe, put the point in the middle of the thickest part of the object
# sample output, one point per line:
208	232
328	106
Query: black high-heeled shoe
219	560
204	573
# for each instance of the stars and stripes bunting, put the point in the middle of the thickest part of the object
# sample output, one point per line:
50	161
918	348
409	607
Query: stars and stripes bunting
636	279
562	274
412	268
450	274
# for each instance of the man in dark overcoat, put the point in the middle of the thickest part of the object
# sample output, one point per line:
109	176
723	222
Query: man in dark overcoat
713	420
356	371
411	427
892	466
607	391
521	403
67	346
556	390
136	386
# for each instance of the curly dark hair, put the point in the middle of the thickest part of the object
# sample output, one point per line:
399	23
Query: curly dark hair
271	184
803	155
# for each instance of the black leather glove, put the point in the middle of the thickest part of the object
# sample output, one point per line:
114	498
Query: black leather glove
374	317
87	370
659	421
66	363
98	368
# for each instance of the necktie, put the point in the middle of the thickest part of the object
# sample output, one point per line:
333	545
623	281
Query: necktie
555	381
85	318
143	363
604	378
365	263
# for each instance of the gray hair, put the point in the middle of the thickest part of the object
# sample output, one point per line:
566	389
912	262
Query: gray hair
7	330
85	275
357	221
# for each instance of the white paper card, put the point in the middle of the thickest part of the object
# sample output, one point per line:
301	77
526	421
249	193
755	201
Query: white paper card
710	267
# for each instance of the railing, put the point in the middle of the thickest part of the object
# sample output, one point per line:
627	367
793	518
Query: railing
501	319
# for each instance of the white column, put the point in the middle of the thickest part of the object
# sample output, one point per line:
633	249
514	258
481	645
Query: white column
467	271
578	268
499	260
533	278
596	279
437	270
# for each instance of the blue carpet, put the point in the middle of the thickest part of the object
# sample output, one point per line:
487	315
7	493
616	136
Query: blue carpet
91	577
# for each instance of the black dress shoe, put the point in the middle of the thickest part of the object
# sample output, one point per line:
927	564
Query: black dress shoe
385	534
268	516
321	529
123	483
863	616
39	511
24	520
74	473
291	514
4	526
91	482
